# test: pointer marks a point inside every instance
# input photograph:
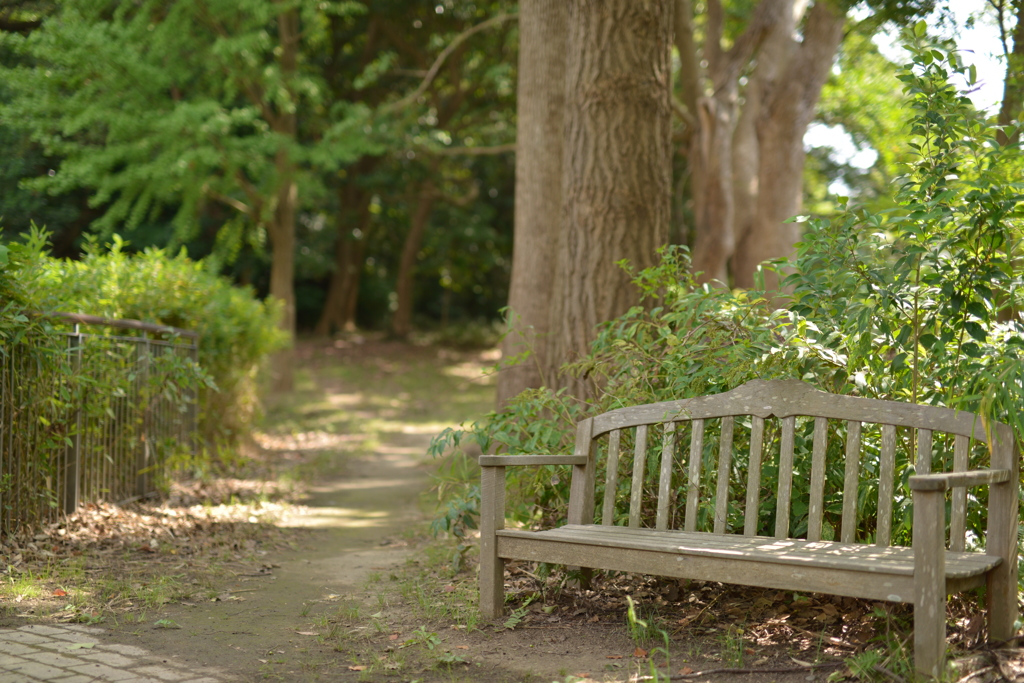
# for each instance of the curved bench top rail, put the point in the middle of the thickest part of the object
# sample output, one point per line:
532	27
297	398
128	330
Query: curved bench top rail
789	397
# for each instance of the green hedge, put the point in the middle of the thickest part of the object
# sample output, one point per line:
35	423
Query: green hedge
237	331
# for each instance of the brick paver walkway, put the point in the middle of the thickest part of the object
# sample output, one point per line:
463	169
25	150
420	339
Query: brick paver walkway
78	654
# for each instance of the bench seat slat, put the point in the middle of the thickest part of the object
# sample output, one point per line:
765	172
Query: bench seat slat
865	559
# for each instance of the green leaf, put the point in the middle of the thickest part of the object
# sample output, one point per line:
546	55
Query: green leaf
976	330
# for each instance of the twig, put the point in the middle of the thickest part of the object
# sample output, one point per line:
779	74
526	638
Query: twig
831	639
975	674
776	670
882	670
439	62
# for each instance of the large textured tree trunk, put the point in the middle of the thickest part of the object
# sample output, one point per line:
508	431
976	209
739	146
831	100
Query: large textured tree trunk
543	33
789	95
401	321
282	227
617	169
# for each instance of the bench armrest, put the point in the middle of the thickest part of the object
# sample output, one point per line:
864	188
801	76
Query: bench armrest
509	460
948	480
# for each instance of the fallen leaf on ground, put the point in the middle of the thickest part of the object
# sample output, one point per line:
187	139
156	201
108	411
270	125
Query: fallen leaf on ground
449	589
462	647
685	671
357	667
393	636
639	652
59	593
306	633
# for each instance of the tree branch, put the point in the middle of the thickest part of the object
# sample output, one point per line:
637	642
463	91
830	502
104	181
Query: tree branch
439	62
470	151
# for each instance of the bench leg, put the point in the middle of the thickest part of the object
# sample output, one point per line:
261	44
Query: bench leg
1001	596
929	583
1002	541
492	518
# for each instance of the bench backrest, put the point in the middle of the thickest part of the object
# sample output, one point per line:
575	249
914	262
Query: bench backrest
703	487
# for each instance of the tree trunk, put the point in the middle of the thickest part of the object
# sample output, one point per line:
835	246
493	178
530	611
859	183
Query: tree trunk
401	321
349	252
543	33
617	172
789	97
282	227
1013	83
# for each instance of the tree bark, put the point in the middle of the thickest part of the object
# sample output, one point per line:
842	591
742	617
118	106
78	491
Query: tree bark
715	116
540	93
282	225
401	321
1013	83
617	174
349	252
789	95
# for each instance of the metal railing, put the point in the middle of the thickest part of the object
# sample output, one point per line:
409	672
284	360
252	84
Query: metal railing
88	417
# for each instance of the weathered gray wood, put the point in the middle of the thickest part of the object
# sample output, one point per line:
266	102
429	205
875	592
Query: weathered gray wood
816	505
850	482
922	575
750	513
958	509
870	559
1001	538
886	477
693	481
492	519
782	398
581	488
929	582
924	451
785	490
512	460
639	465
724	469
611	482
948	480
668	451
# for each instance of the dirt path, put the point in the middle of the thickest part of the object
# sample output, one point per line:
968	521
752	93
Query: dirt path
353	526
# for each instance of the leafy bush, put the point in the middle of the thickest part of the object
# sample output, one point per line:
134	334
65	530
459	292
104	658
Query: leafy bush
237	331
917	303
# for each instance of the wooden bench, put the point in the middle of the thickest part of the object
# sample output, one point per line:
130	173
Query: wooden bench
822	547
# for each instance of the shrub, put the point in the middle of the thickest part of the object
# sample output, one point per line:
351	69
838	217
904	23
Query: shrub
237	331
918	303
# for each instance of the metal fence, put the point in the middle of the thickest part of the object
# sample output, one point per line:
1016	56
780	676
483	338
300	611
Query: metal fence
89	417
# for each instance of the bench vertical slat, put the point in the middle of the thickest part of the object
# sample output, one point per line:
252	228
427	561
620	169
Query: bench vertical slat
693	486
724	467
816	507
639	465
785	491
668	451
850	482
958	513
924	451
750	513
886	477
611	483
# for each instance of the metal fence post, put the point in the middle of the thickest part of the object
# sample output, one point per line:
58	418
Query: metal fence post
73	457
142	455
